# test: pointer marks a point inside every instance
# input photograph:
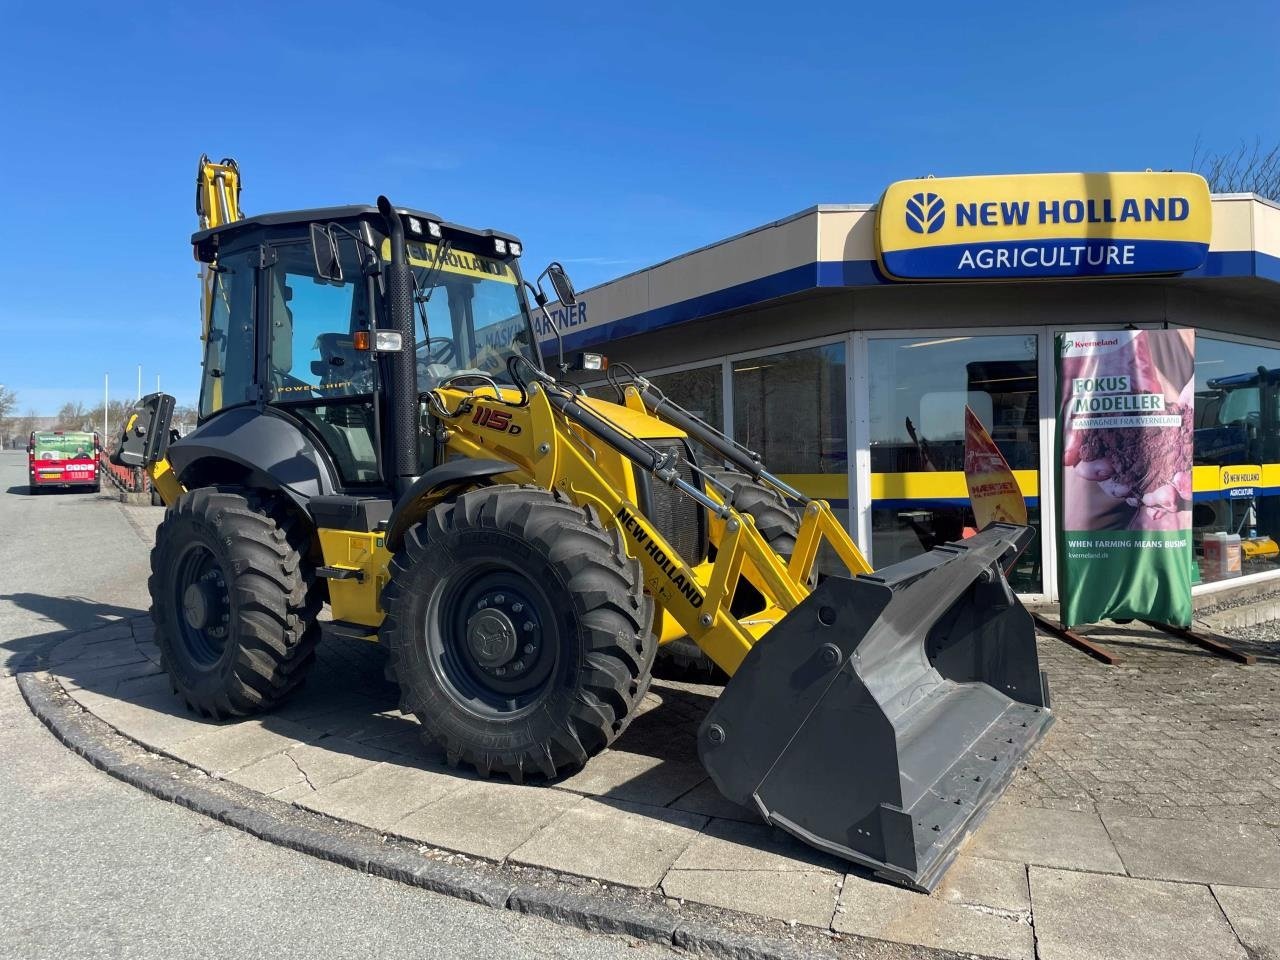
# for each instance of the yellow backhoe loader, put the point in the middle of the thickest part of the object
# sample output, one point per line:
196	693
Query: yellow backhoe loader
377	432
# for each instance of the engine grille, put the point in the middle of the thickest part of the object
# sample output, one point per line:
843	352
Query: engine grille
680	520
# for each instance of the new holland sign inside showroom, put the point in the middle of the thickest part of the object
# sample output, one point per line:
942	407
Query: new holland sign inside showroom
1043	225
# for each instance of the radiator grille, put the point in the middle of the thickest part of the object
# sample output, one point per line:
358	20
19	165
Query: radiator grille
680	520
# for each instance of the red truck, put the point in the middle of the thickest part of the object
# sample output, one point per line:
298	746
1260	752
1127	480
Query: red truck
64	458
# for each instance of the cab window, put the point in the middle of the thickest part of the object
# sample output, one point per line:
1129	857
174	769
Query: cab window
315	369
312	323
229	351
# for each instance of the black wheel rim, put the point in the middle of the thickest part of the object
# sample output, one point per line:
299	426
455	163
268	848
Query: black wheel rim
203	605
491	638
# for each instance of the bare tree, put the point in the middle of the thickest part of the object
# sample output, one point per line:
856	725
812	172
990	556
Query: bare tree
26	423
8	401
1246	169
117	410
73	416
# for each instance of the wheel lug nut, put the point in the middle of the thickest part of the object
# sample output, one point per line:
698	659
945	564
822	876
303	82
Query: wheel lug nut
528	648
500	599
482	604
500	671
517	607
528	625
518	665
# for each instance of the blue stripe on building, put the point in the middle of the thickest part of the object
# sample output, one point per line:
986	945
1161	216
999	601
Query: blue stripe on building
834	273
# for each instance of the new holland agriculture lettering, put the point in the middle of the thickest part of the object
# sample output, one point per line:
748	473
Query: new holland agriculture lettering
1055	225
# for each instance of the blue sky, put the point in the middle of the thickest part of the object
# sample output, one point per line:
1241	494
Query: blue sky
607	135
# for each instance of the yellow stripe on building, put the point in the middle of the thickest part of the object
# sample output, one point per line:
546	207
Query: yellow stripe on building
943	485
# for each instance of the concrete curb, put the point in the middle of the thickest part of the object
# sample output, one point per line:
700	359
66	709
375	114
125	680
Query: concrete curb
558	897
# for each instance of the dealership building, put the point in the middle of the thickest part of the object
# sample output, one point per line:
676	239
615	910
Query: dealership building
797	340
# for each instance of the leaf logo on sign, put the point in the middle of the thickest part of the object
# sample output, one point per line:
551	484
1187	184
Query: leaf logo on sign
926	213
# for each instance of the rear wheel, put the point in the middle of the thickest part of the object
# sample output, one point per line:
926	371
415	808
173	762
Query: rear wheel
682	659
518	631
233	601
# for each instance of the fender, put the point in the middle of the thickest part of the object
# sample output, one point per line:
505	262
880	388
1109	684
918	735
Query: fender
415	503
268	451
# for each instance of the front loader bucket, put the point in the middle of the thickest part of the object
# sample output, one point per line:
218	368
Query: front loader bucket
882	717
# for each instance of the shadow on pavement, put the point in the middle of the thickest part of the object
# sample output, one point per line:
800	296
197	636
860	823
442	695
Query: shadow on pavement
67	616
350	710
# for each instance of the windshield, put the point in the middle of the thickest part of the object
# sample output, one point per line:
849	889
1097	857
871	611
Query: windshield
474	320
63	446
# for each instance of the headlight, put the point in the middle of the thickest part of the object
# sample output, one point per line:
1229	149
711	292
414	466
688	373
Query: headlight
433	228
515	248
387	341
500	246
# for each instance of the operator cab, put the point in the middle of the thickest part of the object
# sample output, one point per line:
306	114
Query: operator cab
317	280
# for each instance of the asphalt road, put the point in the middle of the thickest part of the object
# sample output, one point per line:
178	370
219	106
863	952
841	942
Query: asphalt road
71	561
90	867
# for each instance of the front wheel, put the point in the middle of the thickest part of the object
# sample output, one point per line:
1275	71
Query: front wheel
518	631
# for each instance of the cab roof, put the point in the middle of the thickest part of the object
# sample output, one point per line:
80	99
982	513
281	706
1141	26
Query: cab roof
207	242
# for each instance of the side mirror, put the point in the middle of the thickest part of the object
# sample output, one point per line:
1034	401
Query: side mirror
324	248
561	284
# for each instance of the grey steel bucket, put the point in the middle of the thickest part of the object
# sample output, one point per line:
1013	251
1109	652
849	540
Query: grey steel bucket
882	717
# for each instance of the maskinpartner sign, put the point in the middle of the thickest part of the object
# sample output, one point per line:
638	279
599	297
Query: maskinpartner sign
1055	225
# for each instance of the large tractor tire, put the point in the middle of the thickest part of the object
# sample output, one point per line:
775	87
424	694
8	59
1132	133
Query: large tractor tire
233	600
518	631
683	659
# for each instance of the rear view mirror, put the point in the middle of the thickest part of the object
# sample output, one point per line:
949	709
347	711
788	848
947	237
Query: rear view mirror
562	285
324	248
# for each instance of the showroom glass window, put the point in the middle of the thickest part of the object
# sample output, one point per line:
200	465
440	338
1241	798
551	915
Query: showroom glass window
1237	425
919	387
790	408
700	391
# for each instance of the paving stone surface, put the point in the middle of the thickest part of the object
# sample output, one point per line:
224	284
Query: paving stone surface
1255	916
710	802
1089	916
635	776
1053	838
627	843
159	721
310	765
1171	731
1165	767
734	845
872	909
487	818
240	744
1198	851
382	795
996	884
807	897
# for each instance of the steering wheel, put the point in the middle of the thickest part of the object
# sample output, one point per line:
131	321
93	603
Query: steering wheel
443	351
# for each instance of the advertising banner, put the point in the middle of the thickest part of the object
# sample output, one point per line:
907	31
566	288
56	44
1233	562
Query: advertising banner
1125	428
1059	225
993	490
